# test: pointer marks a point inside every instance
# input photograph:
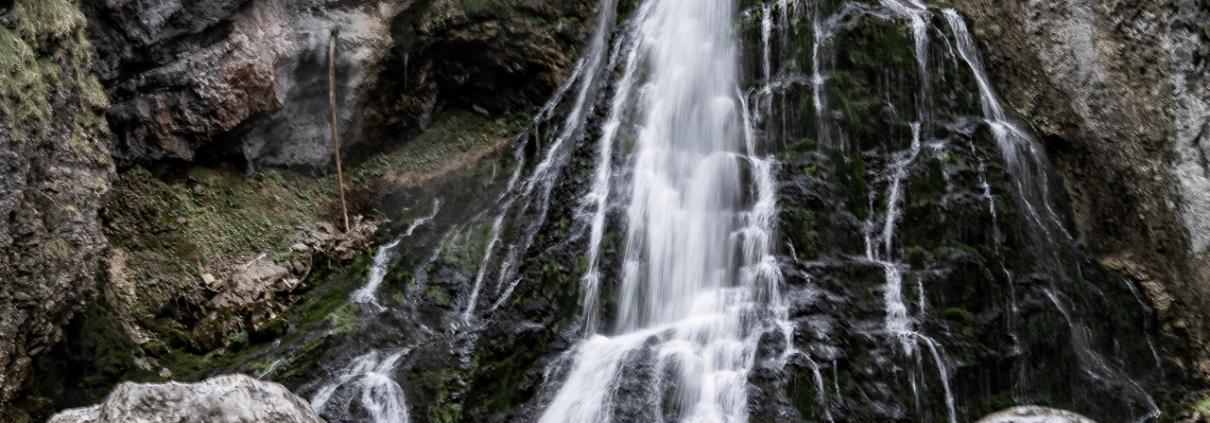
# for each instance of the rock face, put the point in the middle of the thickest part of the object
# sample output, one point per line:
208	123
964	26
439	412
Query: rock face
54	175
1034	414
228	398
1121	92
248	80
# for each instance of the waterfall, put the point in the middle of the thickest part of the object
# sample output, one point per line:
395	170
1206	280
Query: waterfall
681	288
666	138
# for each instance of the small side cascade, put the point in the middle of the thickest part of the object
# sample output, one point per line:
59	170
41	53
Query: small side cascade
1028	168
378	271
368	381
596	201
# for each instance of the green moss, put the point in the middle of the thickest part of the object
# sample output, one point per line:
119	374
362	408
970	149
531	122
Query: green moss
46	18
305	362
625	8
93	93
344	319
318	309
804	228
59	248
449	412
804	145
239	340
438	293
870	53
22	90
959	315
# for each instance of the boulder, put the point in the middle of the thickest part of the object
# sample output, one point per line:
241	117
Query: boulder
1034	414
250	283
228	398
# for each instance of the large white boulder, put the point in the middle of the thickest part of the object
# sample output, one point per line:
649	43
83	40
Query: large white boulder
1034	414
223	399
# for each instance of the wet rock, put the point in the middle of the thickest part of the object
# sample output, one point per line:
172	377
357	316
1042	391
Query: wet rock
1132	151
1034	414
228	398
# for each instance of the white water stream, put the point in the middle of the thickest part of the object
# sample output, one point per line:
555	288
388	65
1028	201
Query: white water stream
371	377
697	267
677	160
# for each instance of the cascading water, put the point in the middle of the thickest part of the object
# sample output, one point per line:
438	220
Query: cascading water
624	266
367	380
683	294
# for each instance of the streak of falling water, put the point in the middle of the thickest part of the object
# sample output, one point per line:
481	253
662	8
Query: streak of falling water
898	172
377	272
916	13
684	287
415	224
1027	166
596	199
1025	163
380	394
817	79
1148	311
1093	363
898	324
483	265
945	377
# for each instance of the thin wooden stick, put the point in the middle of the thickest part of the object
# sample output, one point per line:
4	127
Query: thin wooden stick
336	138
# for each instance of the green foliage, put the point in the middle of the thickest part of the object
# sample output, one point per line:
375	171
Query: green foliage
239	340
438	293
46	19
59	248
22	90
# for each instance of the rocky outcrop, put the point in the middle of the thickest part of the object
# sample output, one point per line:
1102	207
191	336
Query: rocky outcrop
1034	414
1122	94
248	79
229	398
55	172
